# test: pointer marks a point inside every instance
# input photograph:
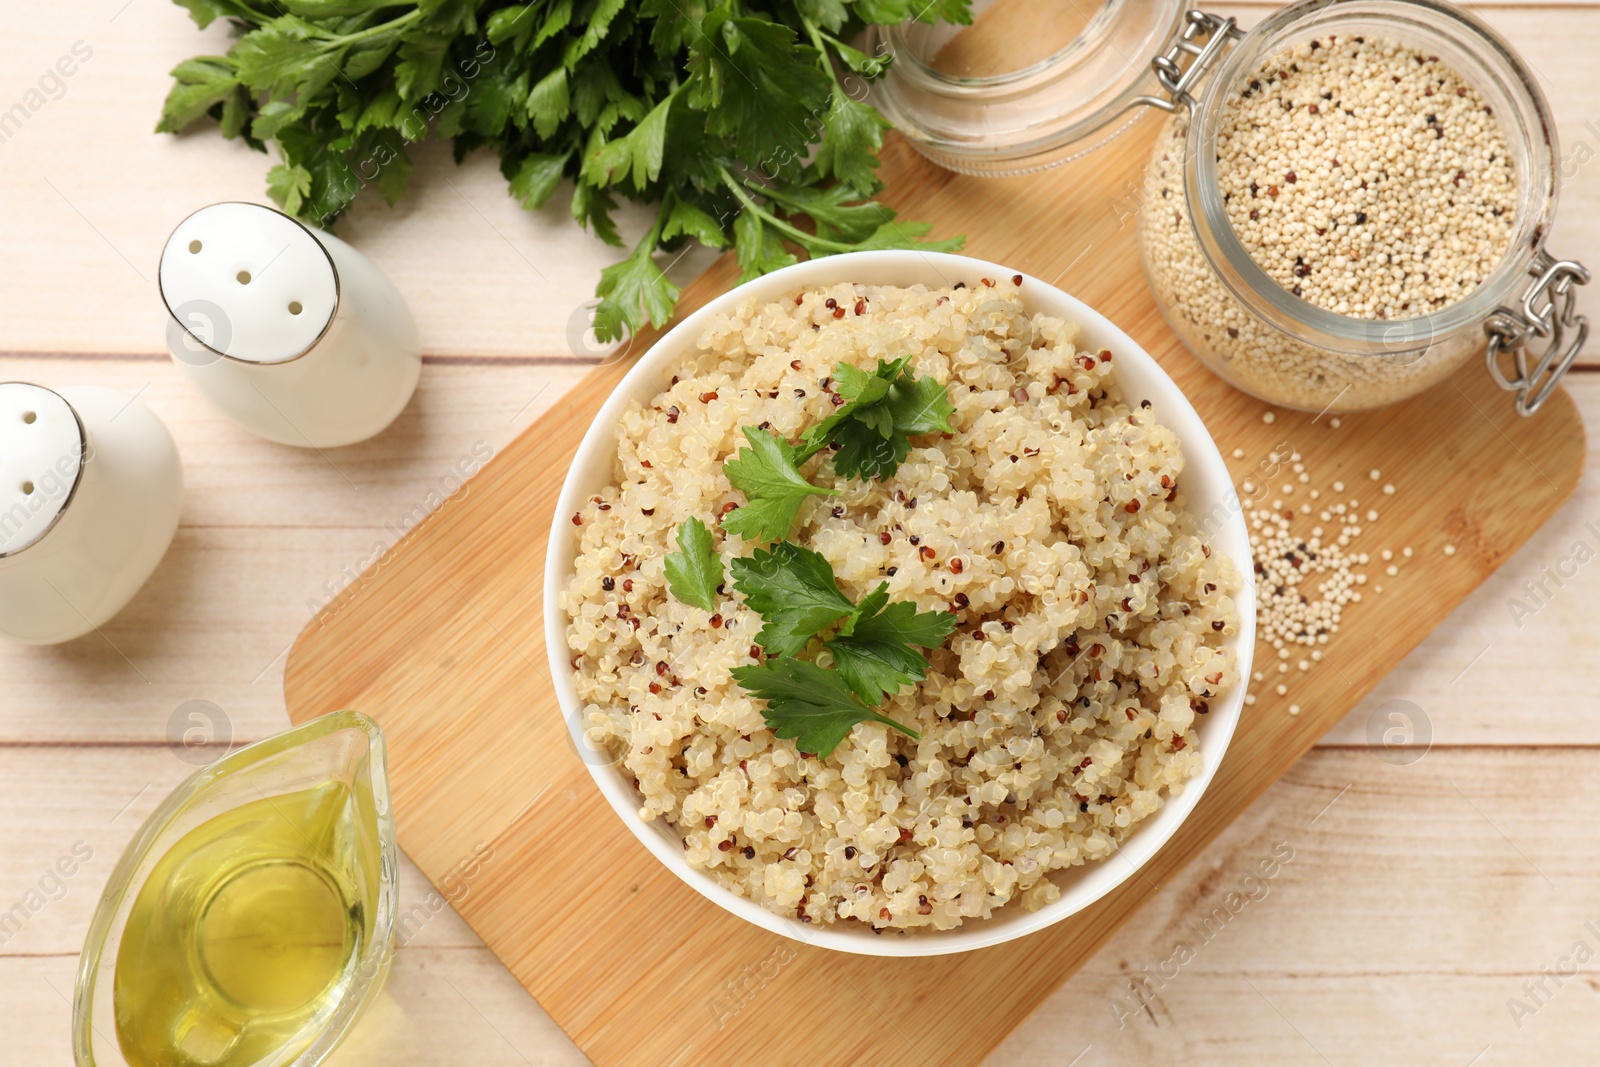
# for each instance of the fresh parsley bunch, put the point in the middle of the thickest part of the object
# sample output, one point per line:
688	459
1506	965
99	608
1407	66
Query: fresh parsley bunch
875	645
741	120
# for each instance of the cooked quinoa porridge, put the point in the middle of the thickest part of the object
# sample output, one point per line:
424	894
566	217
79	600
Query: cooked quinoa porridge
1091	616
1363	176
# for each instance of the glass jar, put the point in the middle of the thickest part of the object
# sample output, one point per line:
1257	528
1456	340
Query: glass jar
1034	112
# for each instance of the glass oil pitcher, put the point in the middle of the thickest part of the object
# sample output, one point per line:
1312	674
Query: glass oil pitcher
252	917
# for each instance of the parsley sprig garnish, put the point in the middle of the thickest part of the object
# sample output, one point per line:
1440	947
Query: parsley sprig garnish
794	591
876	645
883	410
877	654
694	572
811	706
768	474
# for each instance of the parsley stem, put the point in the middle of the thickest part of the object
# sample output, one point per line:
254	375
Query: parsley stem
822	49
808	241
380	29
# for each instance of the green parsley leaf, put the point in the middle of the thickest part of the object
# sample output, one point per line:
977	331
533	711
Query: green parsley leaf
859	61
199	84
762	87
511	24
334	182
636	155
839	211
812	706
204	12
633	291
830	14
883	411
893	11
289	186
421	66
324	8
536	178
285	57
876	656
604	11
906	235
592	207
558	18
863	392
915	406
385	150
273	116
695	571
919	406
794	591
688	220
768	474
760	249
234	117
549	102
854	135
379	111
497	96
363	61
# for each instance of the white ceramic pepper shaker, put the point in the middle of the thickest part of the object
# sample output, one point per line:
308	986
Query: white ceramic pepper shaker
90	492
295	335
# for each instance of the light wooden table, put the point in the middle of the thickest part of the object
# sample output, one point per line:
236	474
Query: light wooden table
1432	890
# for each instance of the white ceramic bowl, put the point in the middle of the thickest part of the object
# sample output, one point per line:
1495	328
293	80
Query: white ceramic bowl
1207	486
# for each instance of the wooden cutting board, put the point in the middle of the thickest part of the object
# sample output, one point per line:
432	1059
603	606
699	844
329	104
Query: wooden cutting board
442	641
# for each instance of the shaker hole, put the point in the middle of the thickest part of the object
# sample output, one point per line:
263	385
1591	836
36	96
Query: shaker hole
295	307
30	417
244	277
27	488
194	247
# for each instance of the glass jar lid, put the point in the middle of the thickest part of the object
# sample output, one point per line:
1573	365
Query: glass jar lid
1030	84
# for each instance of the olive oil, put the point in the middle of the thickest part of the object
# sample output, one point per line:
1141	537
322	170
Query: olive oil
247	932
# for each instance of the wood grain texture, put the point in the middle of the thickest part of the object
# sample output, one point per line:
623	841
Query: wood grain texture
452	615
1395	935
81	733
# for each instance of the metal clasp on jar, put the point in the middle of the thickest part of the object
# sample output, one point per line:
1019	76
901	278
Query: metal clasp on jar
1216	31
1549	310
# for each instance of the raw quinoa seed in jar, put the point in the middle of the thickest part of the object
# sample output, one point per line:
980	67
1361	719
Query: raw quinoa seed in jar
1347	203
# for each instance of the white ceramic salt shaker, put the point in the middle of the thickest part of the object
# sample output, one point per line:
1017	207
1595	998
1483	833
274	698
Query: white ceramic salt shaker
295	335
90	492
